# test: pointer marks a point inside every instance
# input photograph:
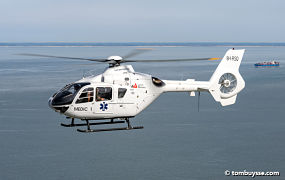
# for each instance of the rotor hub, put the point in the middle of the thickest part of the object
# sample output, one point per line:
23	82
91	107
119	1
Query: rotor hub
227	83
115	58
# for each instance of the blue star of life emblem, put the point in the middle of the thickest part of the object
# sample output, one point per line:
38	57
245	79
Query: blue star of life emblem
103	106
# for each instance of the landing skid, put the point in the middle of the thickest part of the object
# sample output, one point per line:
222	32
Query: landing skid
126	120
85	124
111	129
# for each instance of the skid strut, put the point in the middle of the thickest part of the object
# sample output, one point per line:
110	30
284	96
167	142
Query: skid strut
88	125
72	124
69	125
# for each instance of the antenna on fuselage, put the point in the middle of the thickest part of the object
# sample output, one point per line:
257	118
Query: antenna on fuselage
199	93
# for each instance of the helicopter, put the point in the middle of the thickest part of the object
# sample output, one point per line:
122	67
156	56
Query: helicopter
121	93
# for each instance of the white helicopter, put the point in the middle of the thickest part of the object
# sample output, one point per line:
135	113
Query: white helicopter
121	93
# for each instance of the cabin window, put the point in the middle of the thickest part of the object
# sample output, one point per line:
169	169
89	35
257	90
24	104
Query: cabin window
86	96
103	93
121	92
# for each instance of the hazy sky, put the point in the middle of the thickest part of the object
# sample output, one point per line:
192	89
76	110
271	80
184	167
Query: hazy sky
142	20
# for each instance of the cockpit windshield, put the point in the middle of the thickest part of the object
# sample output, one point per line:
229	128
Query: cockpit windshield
66	95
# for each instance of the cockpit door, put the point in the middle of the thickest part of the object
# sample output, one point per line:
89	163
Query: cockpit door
83	105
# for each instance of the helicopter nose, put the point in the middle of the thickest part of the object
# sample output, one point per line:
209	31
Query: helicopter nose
50	102
60	109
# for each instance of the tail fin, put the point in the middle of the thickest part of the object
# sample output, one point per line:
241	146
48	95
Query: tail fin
226	82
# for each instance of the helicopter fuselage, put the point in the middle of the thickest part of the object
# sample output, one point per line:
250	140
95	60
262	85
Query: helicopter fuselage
118	92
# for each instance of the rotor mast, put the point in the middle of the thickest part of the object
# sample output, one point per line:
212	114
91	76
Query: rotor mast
114	60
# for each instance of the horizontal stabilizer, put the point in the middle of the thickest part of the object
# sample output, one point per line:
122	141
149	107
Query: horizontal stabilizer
228	101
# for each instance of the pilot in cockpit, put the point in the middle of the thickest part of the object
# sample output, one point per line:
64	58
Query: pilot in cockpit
76	87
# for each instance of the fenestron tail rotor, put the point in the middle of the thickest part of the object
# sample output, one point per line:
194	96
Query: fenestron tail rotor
228	83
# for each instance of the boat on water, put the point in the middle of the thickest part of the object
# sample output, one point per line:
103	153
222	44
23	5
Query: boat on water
272	63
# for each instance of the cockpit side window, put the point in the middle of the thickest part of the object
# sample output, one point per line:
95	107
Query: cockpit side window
121	92
86	95
103	93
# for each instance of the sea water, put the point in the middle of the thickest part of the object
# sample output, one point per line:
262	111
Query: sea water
177	141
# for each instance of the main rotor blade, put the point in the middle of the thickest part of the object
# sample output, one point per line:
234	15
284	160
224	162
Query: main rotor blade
172	60
62	57
136	52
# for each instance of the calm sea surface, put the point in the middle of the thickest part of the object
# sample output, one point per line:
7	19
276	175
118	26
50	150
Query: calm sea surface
177	142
